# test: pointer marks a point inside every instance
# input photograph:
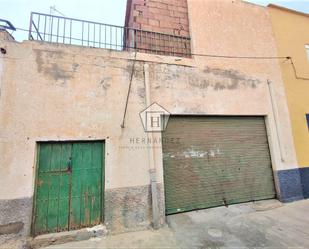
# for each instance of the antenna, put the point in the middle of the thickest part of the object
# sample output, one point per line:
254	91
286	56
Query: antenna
53	9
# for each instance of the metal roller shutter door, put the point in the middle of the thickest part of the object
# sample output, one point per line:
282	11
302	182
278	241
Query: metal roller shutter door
214	161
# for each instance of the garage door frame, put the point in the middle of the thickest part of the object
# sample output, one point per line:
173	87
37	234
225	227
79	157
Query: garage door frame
269	145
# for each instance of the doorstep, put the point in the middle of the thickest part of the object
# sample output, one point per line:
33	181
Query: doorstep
68	236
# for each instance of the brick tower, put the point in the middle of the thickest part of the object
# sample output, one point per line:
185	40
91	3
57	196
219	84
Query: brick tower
158	26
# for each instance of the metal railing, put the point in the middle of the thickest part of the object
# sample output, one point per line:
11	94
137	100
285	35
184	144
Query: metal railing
5	24
58	29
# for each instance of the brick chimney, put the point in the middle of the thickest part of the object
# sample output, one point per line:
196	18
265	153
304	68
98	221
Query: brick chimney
164	16
169	17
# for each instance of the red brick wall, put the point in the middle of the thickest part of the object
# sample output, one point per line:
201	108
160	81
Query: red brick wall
163	16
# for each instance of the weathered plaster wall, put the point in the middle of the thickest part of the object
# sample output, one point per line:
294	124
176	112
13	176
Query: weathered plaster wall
52	92
295	25
62	93
236	28
58	92
65	93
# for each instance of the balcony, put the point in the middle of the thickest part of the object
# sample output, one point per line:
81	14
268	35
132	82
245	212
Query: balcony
63	30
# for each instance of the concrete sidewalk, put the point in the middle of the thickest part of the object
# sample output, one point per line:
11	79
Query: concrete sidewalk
264	224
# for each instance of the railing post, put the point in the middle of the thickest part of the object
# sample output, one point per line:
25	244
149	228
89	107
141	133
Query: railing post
30	26
130	39
134	39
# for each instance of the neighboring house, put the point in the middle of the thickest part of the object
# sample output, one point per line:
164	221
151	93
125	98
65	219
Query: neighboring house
74	152
292	38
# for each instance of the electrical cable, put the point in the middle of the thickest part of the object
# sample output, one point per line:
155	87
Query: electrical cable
295	71
197	54
128	93
222	56
240	57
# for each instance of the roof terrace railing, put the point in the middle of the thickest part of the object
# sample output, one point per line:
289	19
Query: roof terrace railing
58	29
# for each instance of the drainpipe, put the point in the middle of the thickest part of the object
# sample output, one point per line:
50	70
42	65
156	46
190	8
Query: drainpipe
151	157
275	116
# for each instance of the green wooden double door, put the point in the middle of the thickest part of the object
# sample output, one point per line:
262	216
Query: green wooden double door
69	186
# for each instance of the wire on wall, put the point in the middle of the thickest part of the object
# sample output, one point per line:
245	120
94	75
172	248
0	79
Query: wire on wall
241	57
295	71
129	90
225	57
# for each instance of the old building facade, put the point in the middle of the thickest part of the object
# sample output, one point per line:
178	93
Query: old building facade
75	153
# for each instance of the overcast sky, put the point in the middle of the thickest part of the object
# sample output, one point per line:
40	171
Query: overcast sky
106	11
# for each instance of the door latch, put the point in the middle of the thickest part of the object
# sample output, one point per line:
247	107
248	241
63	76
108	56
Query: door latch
70	165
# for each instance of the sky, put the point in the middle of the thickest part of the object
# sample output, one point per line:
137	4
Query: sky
299	5
104	11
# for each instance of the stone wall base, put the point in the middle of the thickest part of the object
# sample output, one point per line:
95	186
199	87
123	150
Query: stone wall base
15	220
129	209
293	184
304	177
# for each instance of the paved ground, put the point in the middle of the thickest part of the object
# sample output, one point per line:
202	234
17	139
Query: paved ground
266	224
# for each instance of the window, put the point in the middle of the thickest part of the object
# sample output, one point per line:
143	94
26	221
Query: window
307	50
307	117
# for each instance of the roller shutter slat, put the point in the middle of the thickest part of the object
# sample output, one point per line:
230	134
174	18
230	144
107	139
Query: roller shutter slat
216	160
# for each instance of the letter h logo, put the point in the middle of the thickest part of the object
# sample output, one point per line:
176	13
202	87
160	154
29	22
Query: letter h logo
154	118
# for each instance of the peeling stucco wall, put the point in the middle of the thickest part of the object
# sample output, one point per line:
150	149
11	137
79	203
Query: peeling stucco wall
54	92
62	92
283	22
237	28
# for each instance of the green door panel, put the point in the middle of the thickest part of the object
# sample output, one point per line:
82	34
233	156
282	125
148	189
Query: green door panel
52	188
68	186
86	192
213	161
